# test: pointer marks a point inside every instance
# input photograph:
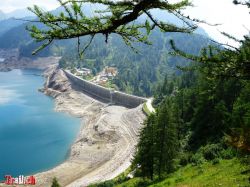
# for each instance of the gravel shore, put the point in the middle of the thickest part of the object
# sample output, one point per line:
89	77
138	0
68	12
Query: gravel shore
106	142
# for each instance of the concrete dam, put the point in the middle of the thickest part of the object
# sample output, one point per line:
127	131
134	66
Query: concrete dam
105	94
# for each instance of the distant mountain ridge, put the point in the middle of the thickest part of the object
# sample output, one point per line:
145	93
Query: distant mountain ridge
10	20
2	15
7	24
18	36
138	73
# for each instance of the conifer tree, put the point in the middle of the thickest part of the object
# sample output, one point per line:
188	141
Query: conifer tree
145	150
118	17
166	143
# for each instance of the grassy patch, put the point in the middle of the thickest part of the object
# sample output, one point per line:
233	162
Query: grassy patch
146	110
225	173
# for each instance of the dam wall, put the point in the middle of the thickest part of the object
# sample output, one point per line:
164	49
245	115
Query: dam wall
105	94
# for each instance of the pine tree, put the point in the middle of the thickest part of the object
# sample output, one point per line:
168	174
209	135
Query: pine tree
145	149
166	142
158	143
55	183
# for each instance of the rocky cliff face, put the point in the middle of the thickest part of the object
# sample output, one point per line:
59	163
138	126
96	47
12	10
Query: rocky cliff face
12	60
56	81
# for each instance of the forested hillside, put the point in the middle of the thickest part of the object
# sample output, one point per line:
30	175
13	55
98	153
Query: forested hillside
7	24
199	135
13	19
139	73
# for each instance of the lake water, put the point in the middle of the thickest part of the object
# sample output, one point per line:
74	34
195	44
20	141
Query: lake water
33	137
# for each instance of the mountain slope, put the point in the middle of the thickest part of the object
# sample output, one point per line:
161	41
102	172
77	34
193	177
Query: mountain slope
7	24
138	73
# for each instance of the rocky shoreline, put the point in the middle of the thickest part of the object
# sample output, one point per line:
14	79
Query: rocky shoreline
10	59
106	142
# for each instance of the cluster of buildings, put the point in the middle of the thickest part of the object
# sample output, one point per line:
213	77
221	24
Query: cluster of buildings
83	72
9	55
102	78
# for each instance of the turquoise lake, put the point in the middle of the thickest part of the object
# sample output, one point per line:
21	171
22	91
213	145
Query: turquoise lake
33	137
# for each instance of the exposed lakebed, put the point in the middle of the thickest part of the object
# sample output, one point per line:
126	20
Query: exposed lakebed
33	136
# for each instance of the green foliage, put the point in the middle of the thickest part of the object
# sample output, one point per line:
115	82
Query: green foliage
209	102
166	133
219	63
211	151
104	184
222	173
158	143
184	158
145	156
208	105
115	17
228	153
146	110
228	173
55	183
215	161
197	159
137	73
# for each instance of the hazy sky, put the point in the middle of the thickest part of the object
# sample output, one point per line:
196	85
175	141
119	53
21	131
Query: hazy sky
233	18
10	5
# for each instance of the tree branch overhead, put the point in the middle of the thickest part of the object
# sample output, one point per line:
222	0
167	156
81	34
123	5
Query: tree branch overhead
116	17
